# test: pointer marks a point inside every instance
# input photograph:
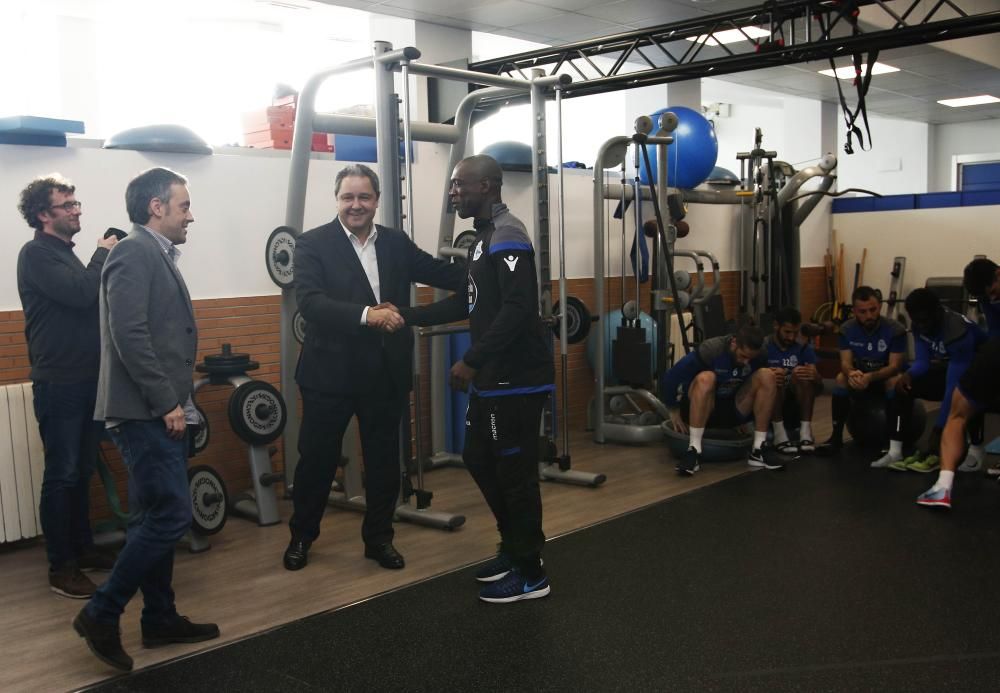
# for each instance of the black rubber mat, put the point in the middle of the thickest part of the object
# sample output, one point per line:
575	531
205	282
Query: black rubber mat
825	577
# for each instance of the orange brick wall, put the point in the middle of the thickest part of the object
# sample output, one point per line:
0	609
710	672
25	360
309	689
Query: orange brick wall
251	325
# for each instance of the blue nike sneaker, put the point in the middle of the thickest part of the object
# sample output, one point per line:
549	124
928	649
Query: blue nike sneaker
514	587
495	568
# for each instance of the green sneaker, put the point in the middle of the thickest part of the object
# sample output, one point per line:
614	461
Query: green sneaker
928	464
903	465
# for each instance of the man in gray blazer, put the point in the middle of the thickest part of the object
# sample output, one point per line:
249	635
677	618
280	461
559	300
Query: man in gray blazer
148	345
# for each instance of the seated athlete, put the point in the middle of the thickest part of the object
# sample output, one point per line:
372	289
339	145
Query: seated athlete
796	379
982	281
723	383
977	389
872	353
944	344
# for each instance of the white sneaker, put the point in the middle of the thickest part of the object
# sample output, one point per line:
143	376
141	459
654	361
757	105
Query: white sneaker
994	470
971	464
885	460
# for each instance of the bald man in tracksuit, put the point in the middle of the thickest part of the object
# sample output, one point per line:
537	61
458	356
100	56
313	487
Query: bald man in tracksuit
511	373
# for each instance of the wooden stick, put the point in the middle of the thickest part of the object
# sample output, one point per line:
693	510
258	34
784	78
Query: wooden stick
840	275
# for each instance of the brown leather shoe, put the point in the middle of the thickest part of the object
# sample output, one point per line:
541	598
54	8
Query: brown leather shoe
70	582
386	555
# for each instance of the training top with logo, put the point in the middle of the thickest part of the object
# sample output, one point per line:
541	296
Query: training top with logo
796	355
711	355
954	344
510	349
871	349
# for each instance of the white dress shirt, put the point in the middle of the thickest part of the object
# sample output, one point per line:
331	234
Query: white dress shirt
369	261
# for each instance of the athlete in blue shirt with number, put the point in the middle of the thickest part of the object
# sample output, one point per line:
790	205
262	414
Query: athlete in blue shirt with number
945	343
797	380
723	383
872	353
982	280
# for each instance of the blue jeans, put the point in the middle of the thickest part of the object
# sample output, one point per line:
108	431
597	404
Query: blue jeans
65	415
159	515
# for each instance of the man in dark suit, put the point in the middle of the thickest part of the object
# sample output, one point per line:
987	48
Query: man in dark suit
148	345
350	275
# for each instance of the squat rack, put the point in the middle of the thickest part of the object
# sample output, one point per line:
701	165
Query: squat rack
385	126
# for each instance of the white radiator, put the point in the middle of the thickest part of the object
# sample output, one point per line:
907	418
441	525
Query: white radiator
22	462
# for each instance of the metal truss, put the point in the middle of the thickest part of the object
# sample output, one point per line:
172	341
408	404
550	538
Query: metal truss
797	31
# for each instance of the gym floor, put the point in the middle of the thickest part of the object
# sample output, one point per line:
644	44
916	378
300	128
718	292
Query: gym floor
712	591
240	582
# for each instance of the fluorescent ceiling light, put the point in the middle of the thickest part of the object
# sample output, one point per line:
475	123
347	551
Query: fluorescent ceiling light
730	36
848	71
969	101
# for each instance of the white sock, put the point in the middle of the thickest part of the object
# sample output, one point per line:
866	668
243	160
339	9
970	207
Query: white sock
758	439
805	430
896	449
780	434
945	480
696	436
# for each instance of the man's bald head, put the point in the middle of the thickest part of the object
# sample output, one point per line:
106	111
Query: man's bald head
483	166
475	186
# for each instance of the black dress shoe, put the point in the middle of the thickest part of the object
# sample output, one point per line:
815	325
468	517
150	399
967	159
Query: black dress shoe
178	630
297	554
386	555
104	640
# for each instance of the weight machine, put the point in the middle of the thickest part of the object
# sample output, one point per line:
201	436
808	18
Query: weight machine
390	127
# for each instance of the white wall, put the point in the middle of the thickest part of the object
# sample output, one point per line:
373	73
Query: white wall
237	200
935	242
897	163
946	141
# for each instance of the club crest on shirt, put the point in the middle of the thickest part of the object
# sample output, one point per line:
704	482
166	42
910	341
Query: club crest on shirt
478	252
882	346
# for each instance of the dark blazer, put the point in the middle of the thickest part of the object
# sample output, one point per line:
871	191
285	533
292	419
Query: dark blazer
340	355
149	338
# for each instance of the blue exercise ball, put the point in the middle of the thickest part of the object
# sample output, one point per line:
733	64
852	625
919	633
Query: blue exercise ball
512	156
692	156
610	324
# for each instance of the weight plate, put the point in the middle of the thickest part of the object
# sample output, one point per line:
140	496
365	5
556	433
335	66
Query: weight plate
278	256
257	412
577	320
299	327
199	441
464	239
209	500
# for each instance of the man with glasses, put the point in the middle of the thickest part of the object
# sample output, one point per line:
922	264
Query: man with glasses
350	274
59	297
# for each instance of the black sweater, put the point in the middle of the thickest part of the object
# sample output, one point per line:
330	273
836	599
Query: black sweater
60	301
511	350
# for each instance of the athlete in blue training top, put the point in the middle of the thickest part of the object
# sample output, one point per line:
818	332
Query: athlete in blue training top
723	383
982	280
872	353
797	380
945	343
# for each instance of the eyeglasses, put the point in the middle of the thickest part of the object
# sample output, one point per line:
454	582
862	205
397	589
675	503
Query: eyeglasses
68	206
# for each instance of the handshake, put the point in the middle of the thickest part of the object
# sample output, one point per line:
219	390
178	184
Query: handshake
385	317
